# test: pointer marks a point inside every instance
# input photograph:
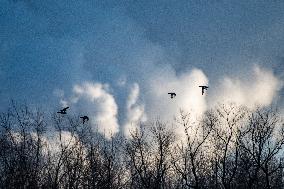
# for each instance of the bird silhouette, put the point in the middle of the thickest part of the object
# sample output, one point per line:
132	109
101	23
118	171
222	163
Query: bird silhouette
63	111
85	118
203	88
172	95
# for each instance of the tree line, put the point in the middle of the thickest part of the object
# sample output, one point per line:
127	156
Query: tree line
228	147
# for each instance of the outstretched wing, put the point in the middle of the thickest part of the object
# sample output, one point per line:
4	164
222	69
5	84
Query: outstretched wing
64	109
203	87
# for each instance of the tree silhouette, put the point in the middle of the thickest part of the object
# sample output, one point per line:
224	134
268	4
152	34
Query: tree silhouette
228	147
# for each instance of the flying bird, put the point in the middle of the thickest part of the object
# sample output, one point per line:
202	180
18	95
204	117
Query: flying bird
63	111
203	88
85	118
172	95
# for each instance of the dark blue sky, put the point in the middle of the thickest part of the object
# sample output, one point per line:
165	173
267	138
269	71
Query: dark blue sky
54	44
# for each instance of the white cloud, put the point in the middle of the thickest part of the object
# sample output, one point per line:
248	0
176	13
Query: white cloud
188	93
134	112
259	90
188	96
101	104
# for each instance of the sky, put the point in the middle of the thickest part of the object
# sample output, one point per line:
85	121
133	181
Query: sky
117	60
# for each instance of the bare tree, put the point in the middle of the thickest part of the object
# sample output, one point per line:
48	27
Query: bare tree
21	146
191	158
228	147
163	140
139	157
227	135
261	147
